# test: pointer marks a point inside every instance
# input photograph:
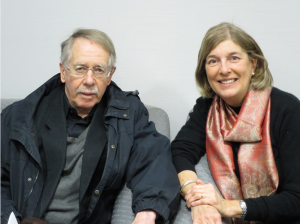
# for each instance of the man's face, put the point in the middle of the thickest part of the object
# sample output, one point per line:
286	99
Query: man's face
84	92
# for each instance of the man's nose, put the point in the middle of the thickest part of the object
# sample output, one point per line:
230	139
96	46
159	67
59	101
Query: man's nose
89	78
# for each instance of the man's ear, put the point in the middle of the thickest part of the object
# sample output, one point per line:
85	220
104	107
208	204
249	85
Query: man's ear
62	73
110	75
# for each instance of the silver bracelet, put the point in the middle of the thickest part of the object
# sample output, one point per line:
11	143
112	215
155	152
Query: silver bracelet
244	208
186	183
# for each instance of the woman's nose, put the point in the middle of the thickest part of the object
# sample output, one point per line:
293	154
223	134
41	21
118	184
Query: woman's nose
224	68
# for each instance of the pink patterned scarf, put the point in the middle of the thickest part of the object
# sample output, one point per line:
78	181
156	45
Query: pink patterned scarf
251	128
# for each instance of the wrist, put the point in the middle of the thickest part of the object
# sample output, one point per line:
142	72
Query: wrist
152	215
232	208
186	186
244	209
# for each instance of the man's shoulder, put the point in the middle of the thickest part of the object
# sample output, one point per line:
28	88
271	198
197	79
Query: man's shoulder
8	105
135	103
131	98
132	93
9	113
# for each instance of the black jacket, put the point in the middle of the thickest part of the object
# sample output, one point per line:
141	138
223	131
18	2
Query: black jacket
283	207
136	153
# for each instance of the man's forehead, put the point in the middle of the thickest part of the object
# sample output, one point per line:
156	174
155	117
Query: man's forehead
81	41
84	48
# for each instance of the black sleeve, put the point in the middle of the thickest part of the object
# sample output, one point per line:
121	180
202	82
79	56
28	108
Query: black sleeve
284	206
150	173
190	143
7	203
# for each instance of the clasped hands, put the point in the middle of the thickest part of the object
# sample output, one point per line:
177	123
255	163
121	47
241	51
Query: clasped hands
206	203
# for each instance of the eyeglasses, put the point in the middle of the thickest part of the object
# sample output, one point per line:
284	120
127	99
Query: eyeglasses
81	70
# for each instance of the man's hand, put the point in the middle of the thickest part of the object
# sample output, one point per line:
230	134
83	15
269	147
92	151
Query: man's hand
205	214
32	220
145	217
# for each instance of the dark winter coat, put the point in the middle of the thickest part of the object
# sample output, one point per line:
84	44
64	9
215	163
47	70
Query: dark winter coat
135	153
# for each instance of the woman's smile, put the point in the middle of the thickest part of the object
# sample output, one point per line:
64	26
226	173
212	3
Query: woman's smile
227	81
229	72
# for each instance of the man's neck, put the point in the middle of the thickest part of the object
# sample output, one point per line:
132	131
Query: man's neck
83	112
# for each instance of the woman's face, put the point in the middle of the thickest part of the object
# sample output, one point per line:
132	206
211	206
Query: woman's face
229	72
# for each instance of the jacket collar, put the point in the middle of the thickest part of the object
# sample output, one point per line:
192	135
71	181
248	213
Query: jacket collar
117	103
22	113
27	107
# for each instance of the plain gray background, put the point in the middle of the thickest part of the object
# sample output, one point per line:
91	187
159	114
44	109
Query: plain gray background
157	43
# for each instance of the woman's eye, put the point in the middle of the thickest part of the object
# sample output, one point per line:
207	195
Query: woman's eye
235	58
212	62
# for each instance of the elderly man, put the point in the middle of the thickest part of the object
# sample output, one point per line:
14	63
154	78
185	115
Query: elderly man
69	146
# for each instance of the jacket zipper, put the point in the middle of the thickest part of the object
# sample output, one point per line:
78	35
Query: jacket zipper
37	175
25	203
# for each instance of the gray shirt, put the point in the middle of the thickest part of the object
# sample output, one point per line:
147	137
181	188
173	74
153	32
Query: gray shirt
65	203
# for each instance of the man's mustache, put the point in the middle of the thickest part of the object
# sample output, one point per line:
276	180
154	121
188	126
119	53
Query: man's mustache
84	89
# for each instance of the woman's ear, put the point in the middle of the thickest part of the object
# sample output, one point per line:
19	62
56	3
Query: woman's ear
254	64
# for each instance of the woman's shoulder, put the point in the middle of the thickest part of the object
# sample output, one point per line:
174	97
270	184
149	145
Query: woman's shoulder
283	101
203	104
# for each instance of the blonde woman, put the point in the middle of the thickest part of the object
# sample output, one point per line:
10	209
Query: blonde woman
250	132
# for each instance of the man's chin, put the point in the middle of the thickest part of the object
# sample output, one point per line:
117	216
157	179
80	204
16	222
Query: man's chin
87	106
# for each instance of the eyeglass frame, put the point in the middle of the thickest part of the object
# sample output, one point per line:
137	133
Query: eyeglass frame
88	68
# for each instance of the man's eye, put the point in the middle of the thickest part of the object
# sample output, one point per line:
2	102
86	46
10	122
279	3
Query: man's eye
98	70
80	69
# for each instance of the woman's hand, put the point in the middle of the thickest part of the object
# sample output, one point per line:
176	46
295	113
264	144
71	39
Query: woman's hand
205	194
205	214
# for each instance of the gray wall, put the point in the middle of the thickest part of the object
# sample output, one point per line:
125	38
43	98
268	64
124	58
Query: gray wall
157	43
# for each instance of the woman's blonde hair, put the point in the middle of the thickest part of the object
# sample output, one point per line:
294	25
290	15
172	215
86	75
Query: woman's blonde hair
262	78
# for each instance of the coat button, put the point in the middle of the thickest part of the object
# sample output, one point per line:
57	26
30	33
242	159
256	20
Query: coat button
112	146
29	179
125	115
96	192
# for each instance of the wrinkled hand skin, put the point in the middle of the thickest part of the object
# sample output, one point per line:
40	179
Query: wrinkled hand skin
33	220
210	197
145	217
205	214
